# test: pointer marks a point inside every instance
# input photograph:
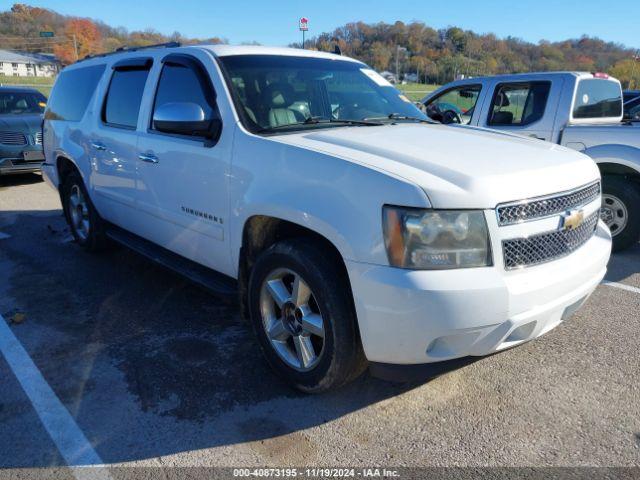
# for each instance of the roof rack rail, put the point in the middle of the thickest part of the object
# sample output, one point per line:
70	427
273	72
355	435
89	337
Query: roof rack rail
126	48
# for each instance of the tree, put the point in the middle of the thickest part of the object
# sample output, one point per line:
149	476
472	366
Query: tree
440	55
84	36
381	55
628	72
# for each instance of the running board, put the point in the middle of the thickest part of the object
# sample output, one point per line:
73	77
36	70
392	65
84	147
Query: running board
217	283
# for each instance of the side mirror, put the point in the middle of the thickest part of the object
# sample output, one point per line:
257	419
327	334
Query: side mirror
185	118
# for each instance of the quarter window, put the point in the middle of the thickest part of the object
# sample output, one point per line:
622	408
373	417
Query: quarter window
519	104
71	93
122	105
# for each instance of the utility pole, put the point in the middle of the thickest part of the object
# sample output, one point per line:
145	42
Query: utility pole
398	50
75	46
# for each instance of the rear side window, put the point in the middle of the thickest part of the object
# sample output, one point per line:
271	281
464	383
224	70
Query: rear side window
519	104
72	92
597	98
122	104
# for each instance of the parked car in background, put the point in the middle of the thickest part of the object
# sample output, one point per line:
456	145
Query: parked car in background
628	95
21	112
632	107
581	111
351	227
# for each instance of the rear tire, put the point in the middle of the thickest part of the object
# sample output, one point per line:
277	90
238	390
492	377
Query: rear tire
310	339
86	225
621	211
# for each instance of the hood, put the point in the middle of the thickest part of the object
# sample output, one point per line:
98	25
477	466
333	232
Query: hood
28	123
457	167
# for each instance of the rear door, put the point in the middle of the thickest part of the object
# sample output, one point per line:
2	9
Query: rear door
182	189
524	107
114	143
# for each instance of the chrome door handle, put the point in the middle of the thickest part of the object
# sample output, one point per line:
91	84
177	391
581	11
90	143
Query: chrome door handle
148	157
98	146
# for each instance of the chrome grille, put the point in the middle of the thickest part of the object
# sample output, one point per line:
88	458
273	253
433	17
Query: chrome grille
546	206
38	138
13	138
544	247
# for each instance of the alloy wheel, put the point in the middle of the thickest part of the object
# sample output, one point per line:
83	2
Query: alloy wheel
79	213
292	319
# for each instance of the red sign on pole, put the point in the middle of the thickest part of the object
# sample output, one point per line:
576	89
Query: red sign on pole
304	24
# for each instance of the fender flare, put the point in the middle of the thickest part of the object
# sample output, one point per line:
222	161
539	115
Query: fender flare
616	154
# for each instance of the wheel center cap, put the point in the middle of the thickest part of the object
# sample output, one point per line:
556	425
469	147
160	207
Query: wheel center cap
291	318
607	215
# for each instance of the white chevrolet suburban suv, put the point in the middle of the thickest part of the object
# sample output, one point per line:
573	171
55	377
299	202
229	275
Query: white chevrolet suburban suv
354	231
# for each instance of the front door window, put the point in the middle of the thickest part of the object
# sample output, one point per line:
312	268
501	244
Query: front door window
454	106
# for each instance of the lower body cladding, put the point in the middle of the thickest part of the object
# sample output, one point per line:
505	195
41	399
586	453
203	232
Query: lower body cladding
409	317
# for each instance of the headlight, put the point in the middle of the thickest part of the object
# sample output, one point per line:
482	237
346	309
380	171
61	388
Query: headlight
436	239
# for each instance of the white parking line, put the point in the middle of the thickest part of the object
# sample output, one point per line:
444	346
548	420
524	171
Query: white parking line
62	428
621	286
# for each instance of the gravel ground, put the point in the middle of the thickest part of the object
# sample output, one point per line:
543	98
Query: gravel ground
157	373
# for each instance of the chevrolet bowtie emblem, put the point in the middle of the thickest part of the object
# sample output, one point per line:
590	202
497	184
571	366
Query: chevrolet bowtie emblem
571	220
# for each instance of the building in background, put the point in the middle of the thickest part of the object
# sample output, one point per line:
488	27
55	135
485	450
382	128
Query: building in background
17	64
389	77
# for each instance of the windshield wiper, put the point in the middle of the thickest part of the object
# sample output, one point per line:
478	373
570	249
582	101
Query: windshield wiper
321	120
398	116
364	122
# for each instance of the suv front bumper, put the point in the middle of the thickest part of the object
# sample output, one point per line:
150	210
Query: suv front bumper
414	317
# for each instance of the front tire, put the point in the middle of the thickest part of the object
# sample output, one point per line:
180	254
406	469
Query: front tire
621	211
303	316
86	225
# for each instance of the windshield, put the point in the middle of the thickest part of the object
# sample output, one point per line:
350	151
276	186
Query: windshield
15	103
284	93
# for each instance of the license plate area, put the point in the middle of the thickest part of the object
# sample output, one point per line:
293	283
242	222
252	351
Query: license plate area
33	156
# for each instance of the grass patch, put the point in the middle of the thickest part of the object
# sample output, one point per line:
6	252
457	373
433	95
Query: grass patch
6	80
43	84
416	91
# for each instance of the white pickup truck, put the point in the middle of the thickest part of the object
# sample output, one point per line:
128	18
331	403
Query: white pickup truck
582	111
353	230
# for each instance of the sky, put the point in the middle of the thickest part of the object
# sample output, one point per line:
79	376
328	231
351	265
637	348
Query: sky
275	22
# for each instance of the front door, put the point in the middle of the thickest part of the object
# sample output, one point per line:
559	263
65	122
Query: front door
182	189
